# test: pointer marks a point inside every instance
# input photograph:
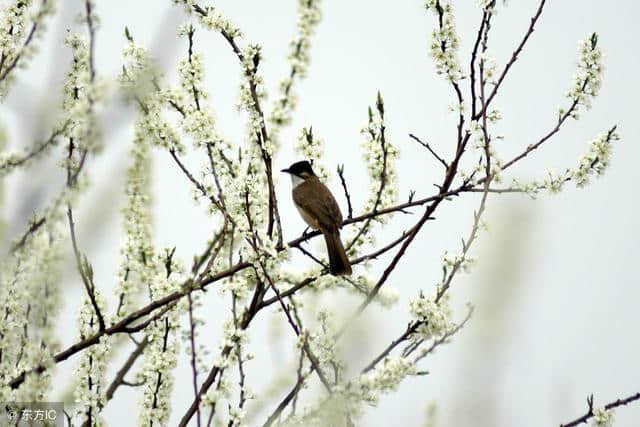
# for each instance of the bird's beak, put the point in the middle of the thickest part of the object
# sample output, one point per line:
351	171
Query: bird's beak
285	170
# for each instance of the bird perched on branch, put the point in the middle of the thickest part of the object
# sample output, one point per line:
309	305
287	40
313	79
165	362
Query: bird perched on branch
320	211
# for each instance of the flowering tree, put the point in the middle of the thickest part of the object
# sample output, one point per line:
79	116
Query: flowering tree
157	299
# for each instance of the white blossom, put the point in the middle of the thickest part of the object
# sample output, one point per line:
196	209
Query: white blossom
80	92
312	148
554	182
139	79
596	159
309	15
530	188
489	68
602	418
30	297
160	355
588	79
90	373
380	157
137	252
20	29
434	317
444	40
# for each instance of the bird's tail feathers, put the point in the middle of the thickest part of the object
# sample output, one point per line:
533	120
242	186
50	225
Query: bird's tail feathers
338	261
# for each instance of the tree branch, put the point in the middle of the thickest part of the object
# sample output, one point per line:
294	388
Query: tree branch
608	406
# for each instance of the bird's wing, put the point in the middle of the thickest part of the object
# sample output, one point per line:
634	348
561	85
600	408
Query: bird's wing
316	199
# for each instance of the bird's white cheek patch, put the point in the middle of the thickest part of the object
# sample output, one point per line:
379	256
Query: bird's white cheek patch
296	180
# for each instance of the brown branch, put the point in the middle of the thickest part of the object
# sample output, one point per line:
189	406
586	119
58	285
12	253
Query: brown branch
192	341
128	364
91	29
37	150
262	136
608	406
292	290
33	227
473	61
28	40
315	363
546	137
85	271
382	250
288	398
411	328
383	174
241	373
451	172
123	326
513	59
428	147
346	191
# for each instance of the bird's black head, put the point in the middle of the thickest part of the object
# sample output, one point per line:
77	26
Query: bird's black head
302	169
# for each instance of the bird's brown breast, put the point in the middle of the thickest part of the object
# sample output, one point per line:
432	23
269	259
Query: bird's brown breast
317	206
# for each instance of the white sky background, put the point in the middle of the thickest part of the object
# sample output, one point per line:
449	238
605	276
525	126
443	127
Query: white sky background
555	285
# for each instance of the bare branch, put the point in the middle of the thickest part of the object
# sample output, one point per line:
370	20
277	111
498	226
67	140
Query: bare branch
428	147
608	406
512	61
346	191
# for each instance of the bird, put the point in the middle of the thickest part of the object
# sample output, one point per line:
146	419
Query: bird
319	209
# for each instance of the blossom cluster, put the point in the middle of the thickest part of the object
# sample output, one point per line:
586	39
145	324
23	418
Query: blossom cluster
434	316
593	162
347	399
252	92
212	19
485	147
80	93
309	15
198	121
137	252
161	354
30	275
312	149
19	29
29	293
380	157
232	348
139	79
194	347
89	392
323	344
588	79
602	418
444	40
384	378
596	159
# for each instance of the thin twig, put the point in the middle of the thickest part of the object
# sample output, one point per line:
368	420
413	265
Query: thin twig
514	57
608	407
126	367
346	191
123	326
192	341
428	147
85	271
35	151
